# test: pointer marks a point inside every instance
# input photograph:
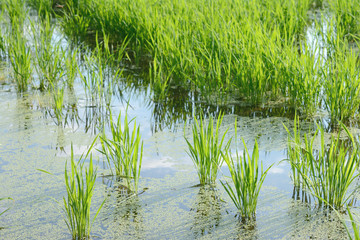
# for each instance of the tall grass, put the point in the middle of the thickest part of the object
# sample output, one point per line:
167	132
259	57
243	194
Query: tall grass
328	173
205	148
247	177
80	183
124	150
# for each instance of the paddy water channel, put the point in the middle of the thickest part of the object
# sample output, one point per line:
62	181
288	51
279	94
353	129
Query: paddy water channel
172	206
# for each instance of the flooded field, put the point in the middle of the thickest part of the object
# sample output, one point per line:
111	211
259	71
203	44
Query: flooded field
76	88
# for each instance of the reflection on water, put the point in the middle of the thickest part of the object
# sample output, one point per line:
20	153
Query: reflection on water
126	211
206	211
317	223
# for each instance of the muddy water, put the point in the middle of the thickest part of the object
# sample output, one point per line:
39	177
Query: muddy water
171	207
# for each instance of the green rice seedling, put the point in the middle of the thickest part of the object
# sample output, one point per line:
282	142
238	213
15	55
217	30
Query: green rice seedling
330	170
58	104
2	199
71	66
247	178
124	150
245	58
49	55
205	149
20	59
17	12
80	183
354	227
347	16
342	84
43	7
294	153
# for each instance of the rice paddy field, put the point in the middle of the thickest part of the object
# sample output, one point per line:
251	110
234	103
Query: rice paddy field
179	119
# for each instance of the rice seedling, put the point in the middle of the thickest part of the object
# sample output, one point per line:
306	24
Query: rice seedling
58	104
80	183
17	12
124	150
246	57
20	59
2	199
205	148
354	227
247	178
294	152
347	16
342	78
49	55
71	67
328	173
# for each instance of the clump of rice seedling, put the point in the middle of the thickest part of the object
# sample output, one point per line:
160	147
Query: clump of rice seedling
58	104
341	79
294	153
247	178
49	55
205	149
80	183
71	67
20	59
124	150
327	173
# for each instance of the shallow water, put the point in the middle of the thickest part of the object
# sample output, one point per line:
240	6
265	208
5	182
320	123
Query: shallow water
171	207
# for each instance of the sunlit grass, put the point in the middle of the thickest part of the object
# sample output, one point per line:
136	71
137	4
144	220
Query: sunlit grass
247	177
123	150
80	184
205	148
326	173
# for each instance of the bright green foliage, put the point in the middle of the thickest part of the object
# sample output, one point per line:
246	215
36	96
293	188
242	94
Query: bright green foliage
124	150
205	149
327	173
354	227
247	178
20	59
294	152
58	104
342	82
49	55
347	16
210	45
80	183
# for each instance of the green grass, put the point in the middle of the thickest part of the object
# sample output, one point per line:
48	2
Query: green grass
124	150
20	59
247	177
353	226
50	57
205	148
80	184
329	172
